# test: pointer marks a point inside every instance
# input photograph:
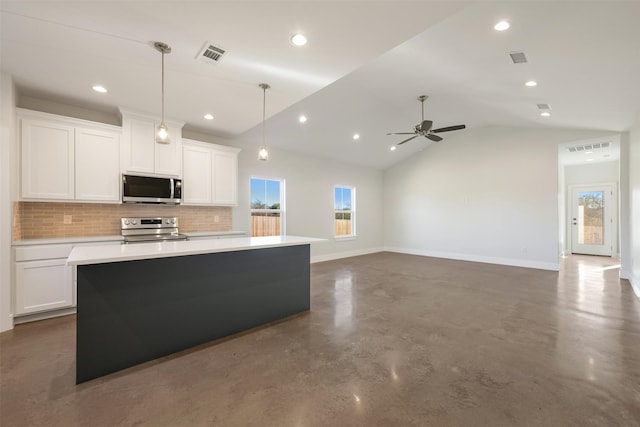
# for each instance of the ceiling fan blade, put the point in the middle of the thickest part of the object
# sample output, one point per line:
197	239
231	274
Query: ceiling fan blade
408	139
401	133
426	125
432	137
448	128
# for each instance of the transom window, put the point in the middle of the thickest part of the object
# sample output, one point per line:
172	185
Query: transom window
267	207
344	210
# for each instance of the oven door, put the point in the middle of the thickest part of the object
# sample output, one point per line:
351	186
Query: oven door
149	189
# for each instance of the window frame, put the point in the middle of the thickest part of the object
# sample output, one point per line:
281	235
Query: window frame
281	211
352	211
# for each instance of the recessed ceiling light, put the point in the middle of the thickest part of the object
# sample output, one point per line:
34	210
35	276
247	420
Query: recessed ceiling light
393	148
545	114
531	83
356	136
501	26
100	88
208	116
589	160
302	118
298	40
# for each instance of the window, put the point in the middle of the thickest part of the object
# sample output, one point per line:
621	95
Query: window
344	210
267	207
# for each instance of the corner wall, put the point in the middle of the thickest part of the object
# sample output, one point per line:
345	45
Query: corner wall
309	209
7	192
487	195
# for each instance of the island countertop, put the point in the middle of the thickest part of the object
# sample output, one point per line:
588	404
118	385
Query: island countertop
100	254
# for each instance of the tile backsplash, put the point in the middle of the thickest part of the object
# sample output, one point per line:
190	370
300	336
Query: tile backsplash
40	220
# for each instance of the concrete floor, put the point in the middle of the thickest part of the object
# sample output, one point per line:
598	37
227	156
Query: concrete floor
390	340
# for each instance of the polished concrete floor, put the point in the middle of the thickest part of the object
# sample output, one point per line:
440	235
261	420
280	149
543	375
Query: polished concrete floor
391	340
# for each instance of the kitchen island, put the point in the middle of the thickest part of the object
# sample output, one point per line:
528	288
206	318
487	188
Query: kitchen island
138	302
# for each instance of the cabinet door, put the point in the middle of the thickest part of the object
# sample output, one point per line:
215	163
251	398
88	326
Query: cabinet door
139	134
97	165
196	175
225	178
43	285
168	157
47	150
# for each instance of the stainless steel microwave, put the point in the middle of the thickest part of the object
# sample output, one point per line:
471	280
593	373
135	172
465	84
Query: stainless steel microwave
151	189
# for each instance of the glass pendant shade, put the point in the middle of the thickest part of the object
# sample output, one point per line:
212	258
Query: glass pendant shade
263	153
162	136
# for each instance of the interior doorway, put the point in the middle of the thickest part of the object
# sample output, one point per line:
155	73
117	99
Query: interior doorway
592	215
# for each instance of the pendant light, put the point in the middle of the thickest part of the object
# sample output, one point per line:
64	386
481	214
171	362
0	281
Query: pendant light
263	153
162	135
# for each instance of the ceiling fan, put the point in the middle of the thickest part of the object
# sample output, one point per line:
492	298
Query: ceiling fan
424	128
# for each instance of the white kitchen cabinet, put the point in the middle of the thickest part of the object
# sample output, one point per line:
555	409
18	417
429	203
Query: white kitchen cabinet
141	152
47	152
196	175
97	165
45	286
68	159
43	280
225	177
210	174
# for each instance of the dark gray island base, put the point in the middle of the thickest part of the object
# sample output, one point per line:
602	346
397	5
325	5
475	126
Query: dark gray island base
131	312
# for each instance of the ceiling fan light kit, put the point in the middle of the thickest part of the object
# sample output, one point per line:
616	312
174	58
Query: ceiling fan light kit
424	128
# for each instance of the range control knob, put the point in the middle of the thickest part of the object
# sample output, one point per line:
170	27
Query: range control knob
134	222
168	221
126	222
173	220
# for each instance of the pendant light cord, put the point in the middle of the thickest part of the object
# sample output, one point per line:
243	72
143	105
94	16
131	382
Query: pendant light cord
162	87
264	110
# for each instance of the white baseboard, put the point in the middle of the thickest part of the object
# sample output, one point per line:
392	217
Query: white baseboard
554	266
347	254
45	315
635	284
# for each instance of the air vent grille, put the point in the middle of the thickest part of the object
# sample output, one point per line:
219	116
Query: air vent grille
518	57
544	107
211	53
588	147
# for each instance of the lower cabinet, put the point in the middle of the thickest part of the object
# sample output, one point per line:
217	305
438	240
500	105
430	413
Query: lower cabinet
43	280
43	285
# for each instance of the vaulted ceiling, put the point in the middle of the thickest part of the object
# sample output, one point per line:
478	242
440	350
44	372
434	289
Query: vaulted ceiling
361	71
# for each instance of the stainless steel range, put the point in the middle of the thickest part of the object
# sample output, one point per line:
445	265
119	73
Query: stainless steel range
136	230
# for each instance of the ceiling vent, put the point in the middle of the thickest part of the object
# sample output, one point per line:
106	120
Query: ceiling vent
588	147
518	57
211	53
544	107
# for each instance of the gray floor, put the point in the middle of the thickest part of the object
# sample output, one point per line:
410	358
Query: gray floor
390	340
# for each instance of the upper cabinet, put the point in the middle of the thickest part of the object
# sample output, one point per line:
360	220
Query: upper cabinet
210	174
68	159
48	159
141	152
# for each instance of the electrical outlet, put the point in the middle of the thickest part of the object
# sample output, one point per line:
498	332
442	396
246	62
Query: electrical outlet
216	218
67	219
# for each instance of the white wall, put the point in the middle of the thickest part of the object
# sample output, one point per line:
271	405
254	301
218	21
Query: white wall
594	173
309	183
634	203
488	195
7	188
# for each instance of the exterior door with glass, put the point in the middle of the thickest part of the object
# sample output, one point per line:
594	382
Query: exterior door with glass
592	216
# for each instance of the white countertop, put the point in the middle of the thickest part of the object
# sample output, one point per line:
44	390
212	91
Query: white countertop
66	240
215	233
100	254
